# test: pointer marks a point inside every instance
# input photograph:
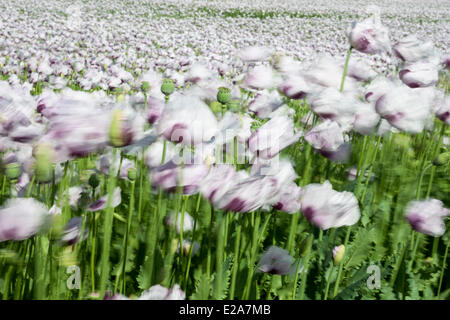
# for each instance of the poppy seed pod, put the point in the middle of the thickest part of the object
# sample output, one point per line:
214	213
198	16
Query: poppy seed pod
93	181
43	165
215	107
145	86
224	95
167	87
13	170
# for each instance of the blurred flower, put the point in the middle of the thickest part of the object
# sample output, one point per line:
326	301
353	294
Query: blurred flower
101	203
155	109
327	72
197	73
261	77
22	218
289	198
154	153
360	70
273	136
72	231
405	108
420	74
369	36
159	292
295	87
219	180
327	136
276	261
187	120
174	220
265	102
187	246
333	105
447	61
443	110
170	176
411	49
427	216
327	208
378	87
366	118
253	54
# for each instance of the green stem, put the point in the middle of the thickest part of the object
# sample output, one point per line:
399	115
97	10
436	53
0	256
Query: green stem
344	74
130	214
442	271
108	225
235	259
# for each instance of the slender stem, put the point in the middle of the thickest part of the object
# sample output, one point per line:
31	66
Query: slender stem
235	259
130	214
328	282
108	224
344	74
442	271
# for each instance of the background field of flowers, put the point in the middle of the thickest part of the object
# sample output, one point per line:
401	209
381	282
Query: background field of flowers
224	149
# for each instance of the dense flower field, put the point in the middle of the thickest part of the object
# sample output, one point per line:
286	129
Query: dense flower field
224	149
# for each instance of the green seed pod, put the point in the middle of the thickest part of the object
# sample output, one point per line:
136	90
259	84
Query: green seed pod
216	107
224	95
305	245
132	173
167	87
94	181
13	171
145	87
233	105
43	165
442	159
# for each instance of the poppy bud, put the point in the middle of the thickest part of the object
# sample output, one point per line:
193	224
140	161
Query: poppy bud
338	254
223	95
13	170
120	133
442	159
44	168
167	87
132	174
93	181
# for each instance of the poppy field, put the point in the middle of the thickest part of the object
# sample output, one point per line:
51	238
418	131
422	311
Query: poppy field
217	150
